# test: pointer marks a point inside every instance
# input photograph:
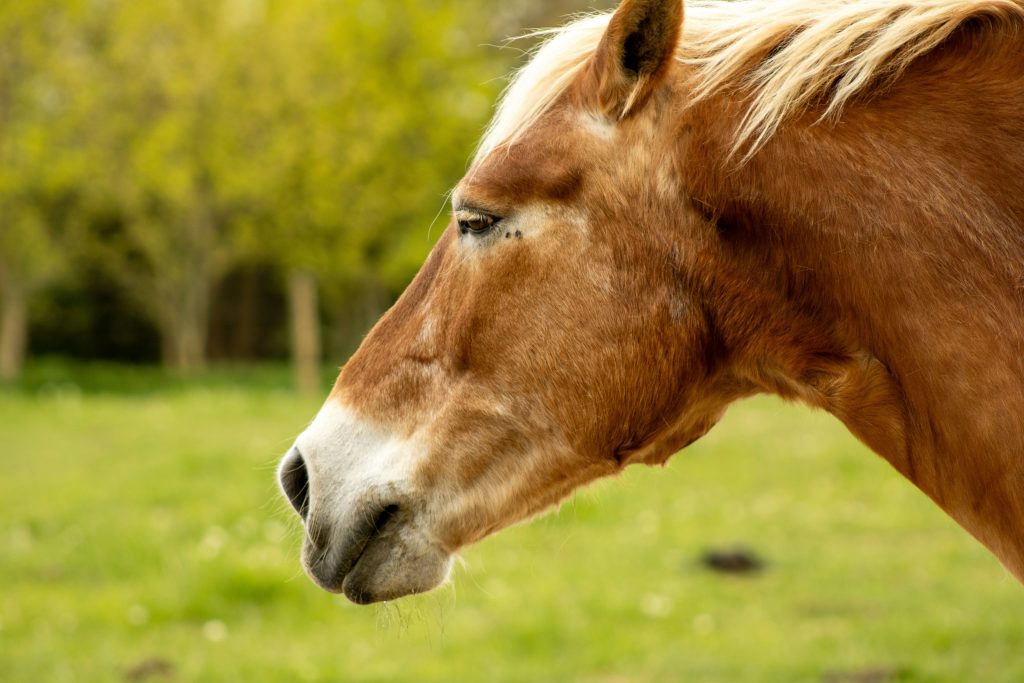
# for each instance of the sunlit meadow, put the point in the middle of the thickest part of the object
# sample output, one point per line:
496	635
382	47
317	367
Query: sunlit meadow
143	538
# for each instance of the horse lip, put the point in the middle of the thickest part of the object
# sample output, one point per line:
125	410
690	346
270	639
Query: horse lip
357	595
334	566
353	584
330	574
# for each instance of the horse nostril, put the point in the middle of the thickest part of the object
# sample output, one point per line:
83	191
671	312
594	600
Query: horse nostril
295	482
383	517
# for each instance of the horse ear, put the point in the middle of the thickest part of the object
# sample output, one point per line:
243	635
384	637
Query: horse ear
635	53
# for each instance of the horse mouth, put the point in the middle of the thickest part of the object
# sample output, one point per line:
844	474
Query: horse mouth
382	557
330	562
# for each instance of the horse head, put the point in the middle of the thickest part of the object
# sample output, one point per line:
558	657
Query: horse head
555	334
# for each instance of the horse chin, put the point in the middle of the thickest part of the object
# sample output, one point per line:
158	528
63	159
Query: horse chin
390	572
389	567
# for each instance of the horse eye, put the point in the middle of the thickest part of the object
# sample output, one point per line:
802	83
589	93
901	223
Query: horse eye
477	224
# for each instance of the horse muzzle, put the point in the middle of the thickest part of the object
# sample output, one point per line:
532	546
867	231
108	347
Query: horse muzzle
371	550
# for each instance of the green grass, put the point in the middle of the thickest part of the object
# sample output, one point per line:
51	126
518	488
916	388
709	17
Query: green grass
143	524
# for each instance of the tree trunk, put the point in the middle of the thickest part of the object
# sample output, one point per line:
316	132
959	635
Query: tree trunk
184	329
305	318
13	332
188	347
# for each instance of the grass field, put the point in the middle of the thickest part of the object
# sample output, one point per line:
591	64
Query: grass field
142	538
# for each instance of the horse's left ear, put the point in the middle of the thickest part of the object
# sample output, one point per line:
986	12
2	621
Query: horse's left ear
635	53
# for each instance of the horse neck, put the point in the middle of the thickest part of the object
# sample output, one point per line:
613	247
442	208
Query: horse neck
881	260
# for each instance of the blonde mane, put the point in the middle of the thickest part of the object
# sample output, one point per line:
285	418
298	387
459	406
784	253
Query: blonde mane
787	54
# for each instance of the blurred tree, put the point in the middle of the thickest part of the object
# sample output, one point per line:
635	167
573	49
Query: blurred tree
369	111
39	163
517	17
317	135
168	142
167	80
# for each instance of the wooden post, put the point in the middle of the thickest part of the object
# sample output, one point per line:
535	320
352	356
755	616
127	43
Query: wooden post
13	332
305	320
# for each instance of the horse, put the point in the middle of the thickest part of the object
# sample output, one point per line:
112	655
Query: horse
675	208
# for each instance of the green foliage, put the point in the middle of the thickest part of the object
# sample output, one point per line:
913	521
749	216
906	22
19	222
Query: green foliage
370	113
166	142
39	162
129	542
61	378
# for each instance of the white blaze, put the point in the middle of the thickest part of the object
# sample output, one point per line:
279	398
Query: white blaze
348	458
